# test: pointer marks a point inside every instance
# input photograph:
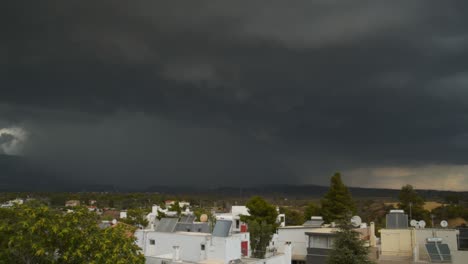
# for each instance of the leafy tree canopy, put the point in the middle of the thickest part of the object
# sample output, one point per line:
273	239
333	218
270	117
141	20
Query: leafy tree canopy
136	217
262	224
41	235
409	197
293	217
311	210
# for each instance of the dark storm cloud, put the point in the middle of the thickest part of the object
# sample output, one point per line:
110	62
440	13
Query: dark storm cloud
272	89
5	139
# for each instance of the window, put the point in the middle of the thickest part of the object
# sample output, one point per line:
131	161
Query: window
152	242
317	241
237	223
202	247
199	229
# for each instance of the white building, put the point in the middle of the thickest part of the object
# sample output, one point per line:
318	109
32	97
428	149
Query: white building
411	244
312	241
182	204
192	247
12	203
165	244
237	211
156	211
234	216
399	242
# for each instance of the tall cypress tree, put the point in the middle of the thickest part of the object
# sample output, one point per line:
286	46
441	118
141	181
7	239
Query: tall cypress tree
337	203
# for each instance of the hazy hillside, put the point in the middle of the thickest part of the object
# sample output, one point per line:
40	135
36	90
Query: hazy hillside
20	174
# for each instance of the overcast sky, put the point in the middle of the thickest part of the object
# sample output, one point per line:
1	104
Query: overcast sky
238	92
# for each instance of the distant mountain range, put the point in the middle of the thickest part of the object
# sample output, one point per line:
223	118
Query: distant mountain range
294	191
19	174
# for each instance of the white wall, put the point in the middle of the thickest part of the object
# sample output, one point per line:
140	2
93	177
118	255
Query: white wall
296	236
449	236
396	242
225	248
459	257
189	244
401	242
237	210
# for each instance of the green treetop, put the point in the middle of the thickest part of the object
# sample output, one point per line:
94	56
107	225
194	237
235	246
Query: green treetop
136	217
311	210
337	203
40	235
408	197
262	224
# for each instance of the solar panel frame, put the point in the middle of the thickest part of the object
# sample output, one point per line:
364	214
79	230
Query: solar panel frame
433	252
167	225
222	228
445	252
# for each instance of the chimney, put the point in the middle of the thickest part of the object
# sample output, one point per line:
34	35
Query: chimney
372	235
176	256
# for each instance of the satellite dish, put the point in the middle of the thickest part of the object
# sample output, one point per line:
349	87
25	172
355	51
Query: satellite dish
356	221
422	223
413	223
443	223
204	218
114	221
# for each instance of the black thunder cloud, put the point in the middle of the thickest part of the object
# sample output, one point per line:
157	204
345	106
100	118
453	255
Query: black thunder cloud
150	92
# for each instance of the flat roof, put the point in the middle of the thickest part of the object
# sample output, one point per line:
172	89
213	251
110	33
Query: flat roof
299	227
420	229
192	233
324	230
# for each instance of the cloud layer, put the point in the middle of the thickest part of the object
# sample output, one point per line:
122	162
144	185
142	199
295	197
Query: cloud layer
238	92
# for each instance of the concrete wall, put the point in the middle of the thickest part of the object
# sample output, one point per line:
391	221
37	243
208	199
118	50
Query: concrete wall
459	257
396	242
298	239
189	245
449	236
401	242
225	248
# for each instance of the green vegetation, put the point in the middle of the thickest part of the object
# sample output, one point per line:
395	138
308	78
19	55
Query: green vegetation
293	217
262	224
311	210
348	248
411	202
176	208
38	234
337	203
450	212
136	217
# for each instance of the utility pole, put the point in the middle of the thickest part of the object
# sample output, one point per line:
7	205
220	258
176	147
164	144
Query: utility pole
410	215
